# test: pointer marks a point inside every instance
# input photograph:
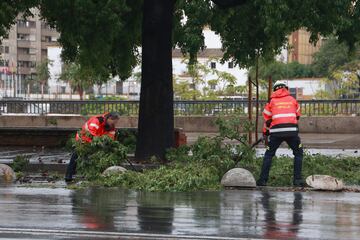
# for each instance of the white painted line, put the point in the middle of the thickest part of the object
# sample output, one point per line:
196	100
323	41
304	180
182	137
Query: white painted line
95	234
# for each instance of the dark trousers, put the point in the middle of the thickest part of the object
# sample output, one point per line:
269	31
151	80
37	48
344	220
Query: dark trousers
294	143
71	167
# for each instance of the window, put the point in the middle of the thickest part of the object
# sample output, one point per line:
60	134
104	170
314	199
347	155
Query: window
4	63
32	37
23	64
293	92
21	36
23	50
32	64
46	38
213	65
32	50
27	64
4	49
230	64
63	90
26	24
212	86
299	93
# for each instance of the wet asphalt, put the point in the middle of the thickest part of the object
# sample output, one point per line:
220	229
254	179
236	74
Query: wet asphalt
99	213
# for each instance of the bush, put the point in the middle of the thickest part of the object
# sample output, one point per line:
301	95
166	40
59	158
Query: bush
127	138
175	178
95	157
281	173
20	163
191	168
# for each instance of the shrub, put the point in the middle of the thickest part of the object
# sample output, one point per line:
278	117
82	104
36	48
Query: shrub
20	163
95	157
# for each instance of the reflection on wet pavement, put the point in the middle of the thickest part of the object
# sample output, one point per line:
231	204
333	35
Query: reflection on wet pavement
245	213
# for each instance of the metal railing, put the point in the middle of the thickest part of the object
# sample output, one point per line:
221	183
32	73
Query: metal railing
181	108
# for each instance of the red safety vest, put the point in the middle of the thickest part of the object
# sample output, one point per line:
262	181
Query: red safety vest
281	113
95	126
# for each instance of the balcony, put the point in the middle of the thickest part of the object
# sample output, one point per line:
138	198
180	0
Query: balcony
49	32
26	44
23	30
26	70
26	57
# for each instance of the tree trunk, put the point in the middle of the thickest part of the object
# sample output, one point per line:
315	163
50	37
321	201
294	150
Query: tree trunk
81	93
257	99
42	91
156	115
28	90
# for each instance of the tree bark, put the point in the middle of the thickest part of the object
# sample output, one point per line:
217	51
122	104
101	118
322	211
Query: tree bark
257	99
42	91
156	115
229	3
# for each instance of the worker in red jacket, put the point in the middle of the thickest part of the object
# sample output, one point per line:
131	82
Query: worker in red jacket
96	126
281	115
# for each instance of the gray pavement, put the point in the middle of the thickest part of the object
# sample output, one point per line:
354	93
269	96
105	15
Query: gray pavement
309	140
42	213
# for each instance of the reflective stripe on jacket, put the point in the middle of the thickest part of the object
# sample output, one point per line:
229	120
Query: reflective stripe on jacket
94	127
281	113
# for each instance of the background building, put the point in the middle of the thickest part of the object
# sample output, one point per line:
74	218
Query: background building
305	88
20	53
300	49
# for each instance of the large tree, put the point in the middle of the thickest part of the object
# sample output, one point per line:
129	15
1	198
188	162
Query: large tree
105	35
156	114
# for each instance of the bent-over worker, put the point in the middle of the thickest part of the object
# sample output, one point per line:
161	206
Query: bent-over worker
96	126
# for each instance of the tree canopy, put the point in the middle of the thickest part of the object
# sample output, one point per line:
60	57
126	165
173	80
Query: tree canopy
331	56
105	36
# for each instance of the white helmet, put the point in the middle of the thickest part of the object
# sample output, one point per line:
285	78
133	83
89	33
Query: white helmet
280	84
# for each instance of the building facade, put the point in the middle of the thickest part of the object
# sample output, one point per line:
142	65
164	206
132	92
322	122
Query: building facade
301	50
24	48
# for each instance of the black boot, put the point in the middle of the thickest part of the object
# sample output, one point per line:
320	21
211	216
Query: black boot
260	183
71	168
299	183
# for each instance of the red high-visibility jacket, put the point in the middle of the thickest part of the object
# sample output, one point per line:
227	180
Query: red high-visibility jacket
95	126
281	114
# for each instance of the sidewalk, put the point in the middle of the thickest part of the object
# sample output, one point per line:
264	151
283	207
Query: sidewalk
309	140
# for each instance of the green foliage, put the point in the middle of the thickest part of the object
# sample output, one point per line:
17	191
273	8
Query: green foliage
281	173
177	178
80	78
92	31
43	72
331	56
222	83
127	138
9	10
95	157
20	163
197	167
279	70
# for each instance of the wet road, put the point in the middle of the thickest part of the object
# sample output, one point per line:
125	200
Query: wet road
118	214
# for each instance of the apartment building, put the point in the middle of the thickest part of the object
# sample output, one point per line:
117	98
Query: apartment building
24	48
301	50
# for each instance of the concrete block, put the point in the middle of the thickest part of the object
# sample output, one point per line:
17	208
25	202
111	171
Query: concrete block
324	182
238	177
114	170
7	174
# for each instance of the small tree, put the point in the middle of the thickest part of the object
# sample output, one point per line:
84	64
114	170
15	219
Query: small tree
43	74
78	78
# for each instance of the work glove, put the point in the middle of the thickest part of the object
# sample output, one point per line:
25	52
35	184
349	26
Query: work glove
266	134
